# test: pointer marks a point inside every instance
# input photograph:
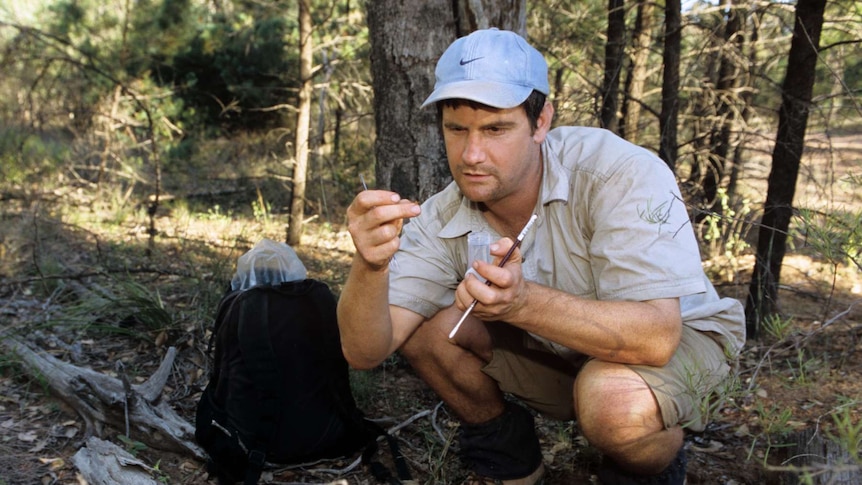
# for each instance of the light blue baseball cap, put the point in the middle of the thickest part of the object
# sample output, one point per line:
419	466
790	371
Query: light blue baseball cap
494	67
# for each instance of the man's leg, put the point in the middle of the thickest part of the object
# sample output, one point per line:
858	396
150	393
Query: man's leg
619	415
454	369
496	440
633	413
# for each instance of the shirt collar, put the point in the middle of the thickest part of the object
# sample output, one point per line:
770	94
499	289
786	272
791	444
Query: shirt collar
555	187
555	177
467	218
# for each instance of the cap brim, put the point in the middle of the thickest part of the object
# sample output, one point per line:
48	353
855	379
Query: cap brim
494	94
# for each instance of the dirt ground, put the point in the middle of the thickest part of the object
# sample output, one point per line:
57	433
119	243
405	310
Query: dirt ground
785	388
788	388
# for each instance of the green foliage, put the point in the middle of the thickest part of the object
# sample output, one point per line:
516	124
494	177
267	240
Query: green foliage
132	446
725	232
364	386
842	45
130	308
778	327
26	156
847	432
554	27
775	425
260	208
10	364
231	69
835	236
803	367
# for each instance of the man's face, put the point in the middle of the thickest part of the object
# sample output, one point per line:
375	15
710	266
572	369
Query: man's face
492	152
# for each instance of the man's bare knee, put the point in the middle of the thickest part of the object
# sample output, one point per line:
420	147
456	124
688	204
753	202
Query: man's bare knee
473	336
615	407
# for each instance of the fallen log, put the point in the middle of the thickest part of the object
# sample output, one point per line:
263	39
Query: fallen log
104	463
104	400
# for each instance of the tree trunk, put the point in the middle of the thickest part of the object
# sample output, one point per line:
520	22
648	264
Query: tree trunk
730	56
670	83
303	122
407	38
482	14
746	98
637	75
789	142
613	65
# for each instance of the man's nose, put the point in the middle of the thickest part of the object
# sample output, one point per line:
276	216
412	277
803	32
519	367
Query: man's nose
474	150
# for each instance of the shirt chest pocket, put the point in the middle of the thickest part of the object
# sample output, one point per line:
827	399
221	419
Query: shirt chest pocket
568	271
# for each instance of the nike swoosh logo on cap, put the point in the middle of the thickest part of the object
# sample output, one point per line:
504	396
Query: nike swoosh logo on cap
464	63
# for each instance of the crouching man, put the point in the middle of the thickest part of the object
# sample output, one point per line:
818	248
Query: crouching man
603	314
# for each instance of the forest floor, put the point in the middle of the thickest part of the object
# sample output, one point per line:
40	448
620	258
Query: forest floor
785	386
796	399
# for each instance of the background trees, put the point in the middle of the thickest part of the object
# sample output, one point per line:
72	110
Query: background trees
207	102
145	144
792	123
410	157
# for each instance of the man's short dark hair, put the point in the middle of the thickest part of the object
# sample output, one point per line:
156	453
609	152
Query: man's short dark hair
532	106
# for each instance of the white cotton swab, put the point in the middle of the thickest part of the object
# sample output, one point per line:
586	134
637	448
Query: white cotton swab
502	262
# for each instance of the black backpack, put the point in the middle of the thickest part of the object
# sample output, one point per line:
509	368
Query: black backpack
280	391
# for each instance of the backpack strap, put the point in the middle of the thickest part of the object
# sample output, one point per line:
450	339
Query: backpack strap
259	356
379	470
370	431
225	305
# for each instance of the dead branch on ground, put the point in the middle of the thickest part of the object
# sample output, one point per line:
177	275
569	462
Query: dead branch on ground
104	400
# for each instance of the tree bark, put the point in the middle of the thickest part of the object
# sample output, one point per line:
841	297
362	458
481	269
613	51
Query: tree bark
101	462
407	38
303	126
103	400
614	49
411	158
637	74
482	14
746	100
730	57
670	83
786	156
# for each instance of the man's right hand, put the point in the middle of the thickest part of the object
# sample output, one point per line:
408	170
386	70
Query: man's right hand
375	219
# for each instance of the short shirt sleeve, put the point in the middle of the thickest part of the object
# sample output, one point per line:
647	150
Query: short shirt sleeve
427	268
642	244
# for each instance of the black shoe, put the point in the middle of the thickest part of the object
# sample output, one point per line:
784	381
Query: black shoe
674	474
504	448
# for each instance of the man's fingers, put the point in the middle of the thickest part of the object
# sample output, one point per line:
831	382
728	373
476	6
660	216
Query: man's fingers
501	248
373	198
383	206
498	296
375	219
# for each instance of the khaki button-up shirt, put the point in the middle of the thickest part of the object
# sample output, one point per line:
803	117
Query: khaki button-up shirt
611	225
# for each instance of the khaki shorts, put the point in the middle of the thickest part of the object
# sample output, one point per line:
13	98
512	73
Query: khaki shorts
684	388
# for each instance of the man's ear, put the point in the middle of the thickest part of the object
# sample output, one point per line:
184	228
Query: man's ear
543	123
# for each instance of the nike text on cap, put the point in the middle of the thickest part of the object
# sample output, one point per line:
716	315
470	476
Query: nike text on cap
494	67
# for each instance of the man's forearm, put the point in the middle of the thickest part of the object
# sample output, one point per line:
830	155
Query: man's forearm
363	317
616	331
